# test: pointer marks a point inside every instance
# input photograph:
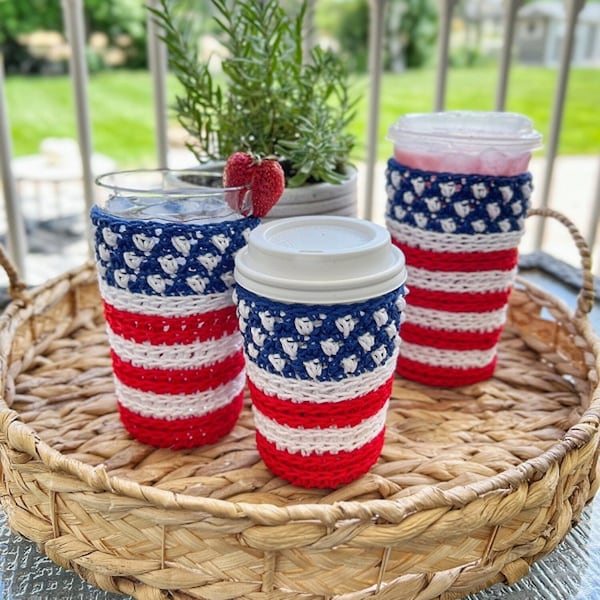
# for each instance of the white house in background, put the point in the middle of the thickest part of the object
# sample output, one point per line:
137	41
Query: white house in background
540	30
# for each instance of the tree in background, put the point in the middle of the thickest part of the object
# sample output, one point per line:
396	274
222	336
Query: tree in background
17	18
352	31
115	18
411	31
416	25
410	35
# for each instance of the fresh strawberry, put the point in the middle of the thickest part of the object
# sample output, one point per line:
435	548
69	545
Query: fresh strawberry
265	176
268	184
238	173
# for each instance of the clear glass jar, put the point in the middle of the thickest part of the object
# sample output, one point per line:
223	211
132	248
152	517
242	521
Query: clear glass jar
172	196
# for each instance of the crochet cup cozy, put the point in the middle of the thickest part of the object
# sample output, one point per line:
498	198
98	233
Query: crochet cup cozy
320	379
175	345
459	234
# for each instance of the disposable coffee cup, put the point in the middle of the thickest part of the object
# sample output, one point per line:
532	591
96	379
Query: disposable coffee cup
458	192
319	302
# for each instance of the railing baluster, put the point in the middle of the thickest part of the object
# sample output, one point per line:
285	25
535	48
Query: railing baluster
446	11
15	234
573	8
510	15
595	215
75	31
377	11
309	29
157	61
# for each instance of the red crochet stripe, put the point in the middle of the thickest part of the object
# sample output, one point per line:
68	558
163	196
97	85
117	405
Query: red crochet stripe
443	376
495	260
347	413
325	470
445	339
478	302
177	381
171	330
183	433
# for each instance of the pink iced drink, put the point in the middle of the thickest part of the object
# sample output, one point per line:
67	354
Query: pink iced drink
483	143
487	163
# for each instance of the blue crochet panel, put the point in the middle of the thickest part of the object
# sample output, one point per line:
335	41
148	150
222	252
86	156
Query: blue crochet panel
319	342
168	259
456	203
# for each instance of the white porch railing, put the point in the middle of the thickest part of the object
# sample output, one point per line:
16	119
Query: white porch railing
74	28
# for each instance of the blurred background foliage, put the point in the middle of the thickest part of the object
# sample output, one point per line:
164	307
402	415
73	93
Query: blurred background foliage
122	23
410	37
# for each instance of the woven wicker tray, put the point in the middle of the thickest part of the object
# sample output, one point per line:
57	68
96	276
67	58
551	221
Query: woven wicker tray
473	485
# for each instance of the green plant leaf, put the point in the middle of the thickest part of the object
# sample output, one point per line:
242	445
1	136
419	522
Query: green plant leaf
269	102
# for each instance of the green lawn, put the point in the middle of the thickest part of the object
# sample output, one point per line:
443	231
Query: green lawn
531	92
122	113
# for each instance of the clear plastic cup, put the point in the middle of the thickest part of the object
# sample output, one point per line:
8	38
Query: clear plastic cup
319	301
458	193
487	143
165	243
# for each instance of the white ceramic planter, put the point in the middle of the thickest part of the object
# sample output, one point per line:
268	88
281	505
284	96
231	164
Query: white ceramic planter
318	199
312	199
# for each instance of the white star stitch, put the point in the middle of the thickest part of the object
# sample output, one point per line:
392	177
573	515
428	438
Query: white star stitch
133	260
313	368
182	244
197	283
143	242
330	347
220	241
290	347
110	237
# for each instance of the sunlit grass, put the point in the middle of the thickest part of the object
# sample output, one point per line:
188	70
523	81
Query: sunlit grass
120	107
531	91
122	112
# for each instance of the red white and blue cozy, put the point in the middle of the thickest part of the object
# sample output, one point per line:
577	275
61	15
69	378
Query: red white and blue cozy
320	379
175	344
459	234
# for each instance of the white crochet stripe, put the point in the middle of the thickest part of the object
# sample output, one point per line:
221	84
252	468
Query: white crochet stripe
318	392
179	406
462	359
163	306
318	441
452	321
452	242
175	356
460	282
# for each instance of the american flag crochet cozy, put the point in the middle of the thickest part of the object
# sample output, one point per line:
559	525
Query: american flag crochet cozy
460	236
320	379
175	345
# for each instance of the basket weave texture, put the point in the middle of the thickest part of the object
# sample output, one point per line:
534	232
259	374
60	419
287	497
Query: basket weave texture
474	484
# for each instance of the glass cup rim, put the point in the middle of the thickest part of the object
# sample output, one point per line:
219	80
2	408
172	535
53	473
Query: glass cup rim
186	190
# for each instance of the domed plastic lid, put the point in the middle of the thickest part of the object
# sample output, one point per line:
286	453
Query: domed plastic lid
465	132
320	260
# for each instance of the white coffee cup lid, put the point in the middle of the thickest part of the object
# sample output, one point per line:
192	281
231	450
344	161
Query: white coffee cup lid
320	260
465	132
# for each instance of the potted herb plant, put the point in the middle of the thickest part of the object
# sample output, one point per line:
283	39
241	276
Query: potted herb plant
270	100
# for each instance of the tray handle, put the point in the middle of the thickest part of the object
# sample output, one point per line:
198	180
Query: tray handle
585	298
16	286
